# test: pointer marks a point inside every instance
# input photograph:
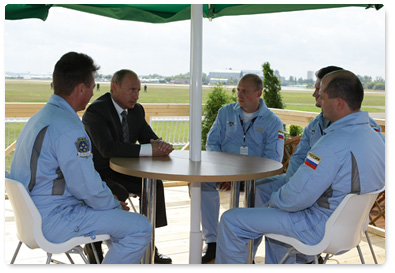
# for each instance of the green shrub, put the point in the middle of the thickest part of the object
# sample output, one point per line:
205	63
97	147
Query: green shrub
216	99
295	130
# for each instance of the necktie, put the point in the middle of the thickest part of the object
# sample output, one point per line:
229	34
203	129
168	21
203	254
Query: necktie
125	127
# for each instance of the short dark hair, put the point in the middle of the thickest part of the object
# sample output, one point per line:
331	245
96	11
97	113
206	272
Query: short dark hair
72	69
348	87
120	75
325	70
255	79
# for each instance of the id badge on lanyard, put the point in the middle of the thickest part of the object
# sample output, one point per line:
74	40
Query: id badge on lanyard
244	148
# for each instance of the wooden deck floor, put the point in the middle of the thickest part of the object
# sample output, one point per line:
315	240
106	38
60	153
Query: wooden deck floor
172	240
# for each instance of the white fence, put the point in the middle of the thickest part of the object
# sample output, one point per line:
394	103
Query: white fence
13	127
174	130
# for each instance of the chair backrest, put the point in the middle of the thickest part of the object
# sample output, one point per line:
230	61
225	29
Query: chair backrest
343	230
27	217
289	149
347	223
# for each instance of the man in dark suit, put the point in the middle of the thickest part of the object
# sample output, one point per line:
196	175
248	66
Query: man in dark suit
115	122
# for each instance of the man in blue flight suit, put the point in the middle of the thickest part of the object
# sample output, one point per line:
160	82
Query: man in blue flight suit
312	133
53	160
348	158
244	127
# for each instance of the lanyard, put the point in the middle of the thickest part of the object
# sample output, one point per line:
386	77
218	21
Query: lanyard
246	131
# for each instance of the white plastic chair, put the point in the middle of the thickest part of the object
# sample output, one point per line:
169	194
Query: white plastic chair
343	230
28	224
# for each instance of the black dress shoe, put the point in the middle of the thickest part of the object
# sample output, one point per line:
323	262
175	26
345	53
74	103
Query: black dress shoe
161	259
209	254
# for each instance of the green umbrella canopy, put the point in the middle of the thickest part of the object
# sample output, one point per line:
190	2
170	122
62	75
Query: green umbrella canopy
163	13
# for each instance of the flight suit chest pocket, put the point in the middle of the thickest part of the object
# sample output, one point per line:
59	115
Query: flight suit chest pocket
232	132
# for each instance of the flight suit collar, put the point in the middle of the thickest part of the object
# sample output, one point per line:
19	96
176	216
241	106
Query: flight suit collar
360	117
62	103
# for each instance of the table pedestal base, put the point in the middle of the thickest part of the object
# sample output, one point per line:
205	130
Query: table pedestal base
148	208
195	239
195	247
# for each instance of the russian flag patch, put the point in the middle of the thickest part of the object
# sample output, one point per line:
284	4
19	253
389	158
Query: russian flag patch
312	161
375	128
280	134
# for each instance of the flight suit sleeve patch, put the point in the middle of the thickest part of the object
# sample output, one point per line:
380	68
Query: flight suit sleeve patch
375	128
82	147
280	134
312	161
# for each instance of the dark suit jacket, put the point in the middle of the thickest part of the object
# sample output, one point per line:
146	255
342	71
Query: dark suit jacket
103	126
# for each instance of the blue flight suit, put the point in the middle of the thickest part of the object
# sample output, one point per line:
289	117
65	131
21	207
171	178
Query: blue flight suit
349	158
264	137
265	187
53	160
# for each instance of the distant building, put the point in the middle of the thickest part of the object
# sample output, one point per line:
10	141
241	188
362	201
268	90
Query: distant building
277	74
223	76
28	76
180	81
310	75
145	80
256	72
218	80
231	76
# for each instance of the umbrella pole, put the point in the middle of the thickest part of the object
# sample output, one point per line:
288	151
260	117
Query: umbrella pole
195	131
195	89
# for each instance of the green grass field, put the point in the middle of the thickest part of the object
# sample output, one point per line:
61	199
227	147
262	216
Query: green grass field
40	91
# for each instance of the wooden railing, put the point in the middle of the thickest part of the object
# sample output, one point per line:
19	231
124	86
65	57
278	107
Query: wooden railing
301	118
22	110
293	117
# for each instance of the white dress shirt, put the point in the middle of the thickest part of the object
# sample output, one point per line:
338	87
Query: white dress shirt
145	149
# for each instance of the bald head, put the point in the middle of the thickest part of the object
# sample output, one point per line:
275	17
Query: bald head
345	85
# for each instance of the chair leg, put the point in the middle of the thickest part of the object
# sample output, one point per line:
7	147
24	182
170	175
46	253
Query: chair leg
69	257
360	254
49	255
80	251
290	250
16	252
131	203
371	247
326	258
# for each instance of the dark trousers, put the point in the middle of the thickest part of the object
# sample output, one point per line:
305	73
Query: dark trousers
121	185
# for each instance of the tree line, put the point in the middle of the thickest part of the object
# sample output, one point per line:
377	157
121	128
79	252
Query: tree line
367	81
